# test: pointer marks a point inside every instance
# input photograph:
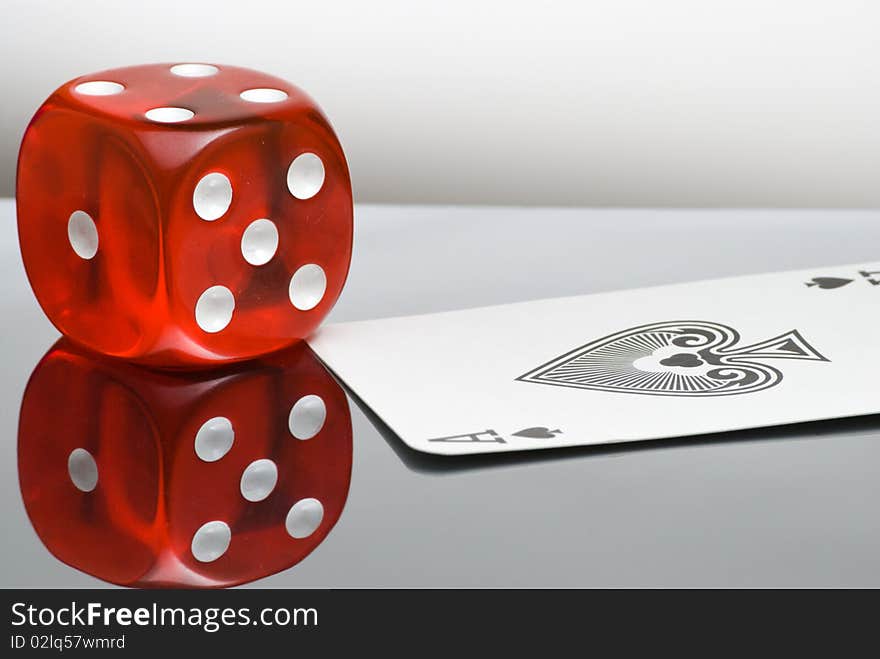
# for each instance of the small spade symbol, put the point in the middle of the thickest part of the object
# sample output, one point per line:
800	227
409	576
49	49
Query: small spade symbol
686	359
539	432
829	282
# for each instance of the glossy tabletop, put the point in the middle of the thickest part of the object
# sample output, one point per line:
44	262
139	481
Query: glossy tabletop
794	506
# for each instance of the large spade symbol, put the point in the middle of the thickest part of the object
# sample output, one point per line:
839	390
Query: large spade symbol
675	358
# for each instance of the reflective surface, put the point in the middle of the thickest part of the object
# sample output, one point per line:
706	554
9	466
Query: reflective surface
785	507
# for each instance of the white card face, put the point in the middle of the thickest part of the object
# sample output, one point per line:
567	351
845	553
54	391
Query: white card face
642	364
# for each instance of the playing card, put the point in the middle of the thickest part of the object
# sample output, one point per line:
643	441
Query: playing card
640	364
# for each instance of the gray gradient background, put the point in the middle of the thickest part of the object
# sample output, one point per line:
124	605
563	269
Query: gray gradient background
792	506
593	103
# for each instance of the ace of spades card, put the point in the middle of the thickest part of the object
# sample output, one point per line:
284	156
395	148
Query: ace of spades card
641	364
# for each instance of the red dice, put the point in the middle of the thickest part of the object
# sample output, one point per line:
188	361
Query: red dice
183	215
202	479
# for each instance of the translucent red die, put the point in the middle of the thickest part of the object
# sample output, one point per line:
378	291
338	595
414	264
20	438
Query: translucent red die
201	479
183	215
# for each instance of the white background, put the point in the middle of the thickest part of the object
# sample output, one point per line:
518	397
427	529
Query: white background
602	102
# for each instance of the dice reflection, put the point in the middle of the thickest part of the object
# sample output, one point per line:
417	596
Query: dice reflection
203	480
